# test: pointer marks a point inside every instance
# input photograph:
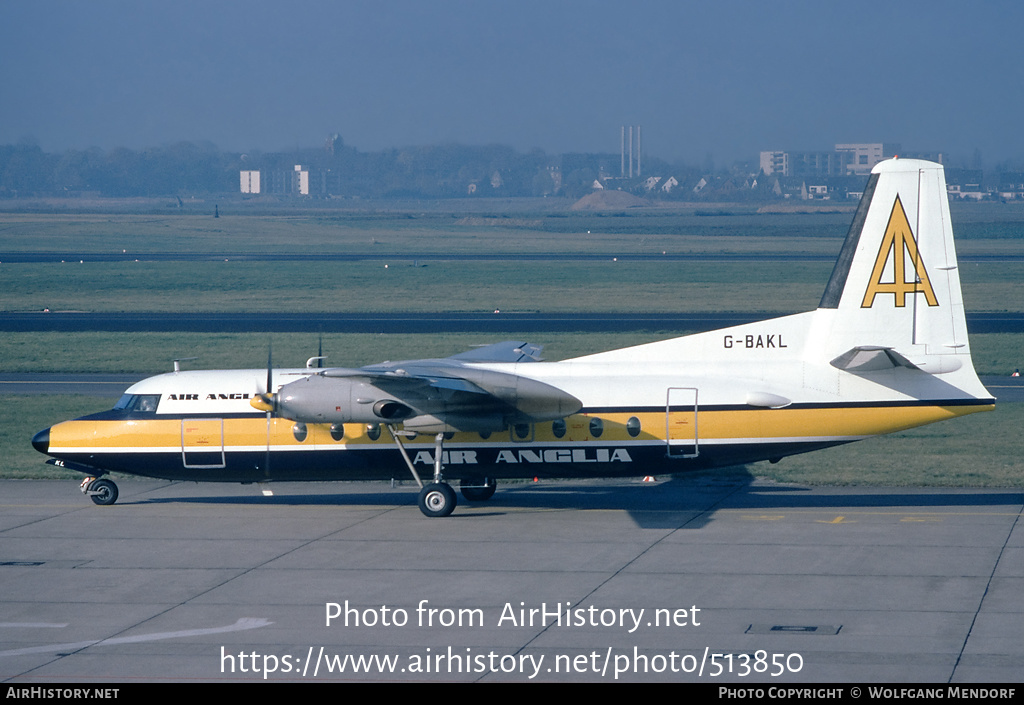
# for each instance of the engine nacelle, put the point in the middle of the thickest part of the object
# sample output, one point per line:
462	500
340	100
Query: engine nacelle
391	410
317	399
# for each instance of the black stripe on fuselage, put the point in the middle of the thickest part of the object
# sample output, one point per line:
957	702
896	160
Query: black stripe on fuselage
507	461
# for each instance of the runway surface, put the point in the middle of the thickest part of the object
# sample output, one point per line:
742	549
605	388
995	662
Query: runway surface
185	582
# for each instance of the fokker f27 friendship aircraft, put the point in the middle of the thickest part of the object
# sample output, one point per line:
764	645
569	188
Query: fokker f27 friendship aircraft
886	350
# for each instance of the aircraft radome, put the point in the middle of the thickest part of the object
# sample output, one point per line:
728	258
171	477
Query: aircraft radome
885	350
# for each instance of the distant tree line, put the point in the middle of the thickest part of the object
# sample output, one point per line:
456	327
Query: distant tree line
182	168
336	169
186	169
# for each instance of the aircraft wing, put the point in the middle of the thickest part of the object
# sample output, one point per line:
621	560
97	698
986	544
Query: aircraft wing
447	393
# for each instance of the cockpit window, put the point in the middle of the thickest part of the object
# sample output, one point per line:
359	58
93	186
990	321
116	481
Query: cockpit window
147	402
142	403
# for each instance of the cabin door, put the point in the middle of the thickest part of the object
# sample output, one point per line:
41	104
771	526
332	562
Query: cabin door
202	443
681	422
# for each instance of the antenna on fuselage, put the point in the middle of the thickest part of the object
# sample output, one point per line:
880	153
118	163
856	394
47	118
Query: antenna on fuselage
177	365
320	357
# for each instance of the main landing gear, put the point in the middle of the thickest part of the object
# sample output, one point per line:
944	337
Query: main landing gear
477	492
438	499
100	491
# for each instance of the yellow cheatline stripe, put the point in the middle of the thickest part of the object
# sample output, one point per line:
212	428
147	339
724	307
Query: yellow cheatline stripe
714	426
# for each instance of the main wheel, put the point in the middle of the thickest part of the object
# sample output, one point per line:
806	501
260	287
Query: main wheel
475	492
102	492
437	499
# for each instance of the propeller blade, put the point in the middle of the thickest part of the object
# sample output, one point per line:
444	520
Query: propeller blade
270	368
267	401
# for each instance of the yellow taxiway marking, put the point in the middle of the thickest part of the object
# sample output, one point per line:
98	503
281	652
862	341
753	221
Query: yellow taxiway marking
845	518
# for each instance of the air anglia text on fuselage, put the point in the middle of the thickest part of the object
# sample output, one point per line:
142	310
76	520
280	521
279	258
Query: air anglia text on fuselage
525	455
208	397
754	341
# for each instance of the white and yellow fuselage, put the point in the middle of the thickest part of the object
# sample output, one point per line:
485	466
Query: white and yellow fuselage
886	350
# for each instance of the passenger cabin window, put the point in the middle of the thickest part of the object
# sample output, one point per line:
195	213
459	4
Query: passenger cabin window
633	426
139	403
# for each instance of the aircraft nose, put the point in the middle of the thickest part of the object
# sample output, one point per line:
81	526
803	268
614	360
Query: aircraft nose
41	441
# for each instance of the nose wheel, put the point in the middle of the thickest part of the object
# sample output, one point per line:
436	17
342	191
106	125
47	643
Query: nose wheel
102	492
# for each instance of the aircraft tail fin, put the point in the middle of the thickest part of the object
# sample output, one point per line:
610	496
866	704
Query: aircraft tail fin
892	304
895	289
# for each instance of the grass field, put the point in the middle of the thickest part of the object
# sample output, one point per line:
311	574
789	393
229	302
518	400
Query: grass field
619	286
464	226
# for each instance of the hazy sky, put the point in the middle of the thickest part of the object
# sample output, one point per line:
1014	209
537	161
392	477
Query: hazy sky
725	78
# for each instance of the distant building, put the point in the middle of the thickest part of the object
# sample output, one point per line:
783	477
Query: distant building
301	182
250	181
965	184
845	160
277	181
775	163
1011	185
861	158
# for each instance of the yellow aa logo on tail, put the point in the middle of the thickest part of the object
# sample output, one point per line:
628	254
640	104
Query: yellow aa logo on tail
899	245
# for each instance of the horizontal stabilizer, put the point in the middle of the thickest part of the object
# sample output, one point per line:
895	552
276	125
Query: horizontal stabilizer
871	358
507	351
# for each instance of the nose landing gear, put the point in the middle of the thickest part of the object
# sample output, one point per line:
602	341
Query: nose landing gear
102	492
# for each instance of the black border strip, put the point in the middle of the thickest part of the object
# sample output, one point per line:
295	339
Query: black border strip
840	273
